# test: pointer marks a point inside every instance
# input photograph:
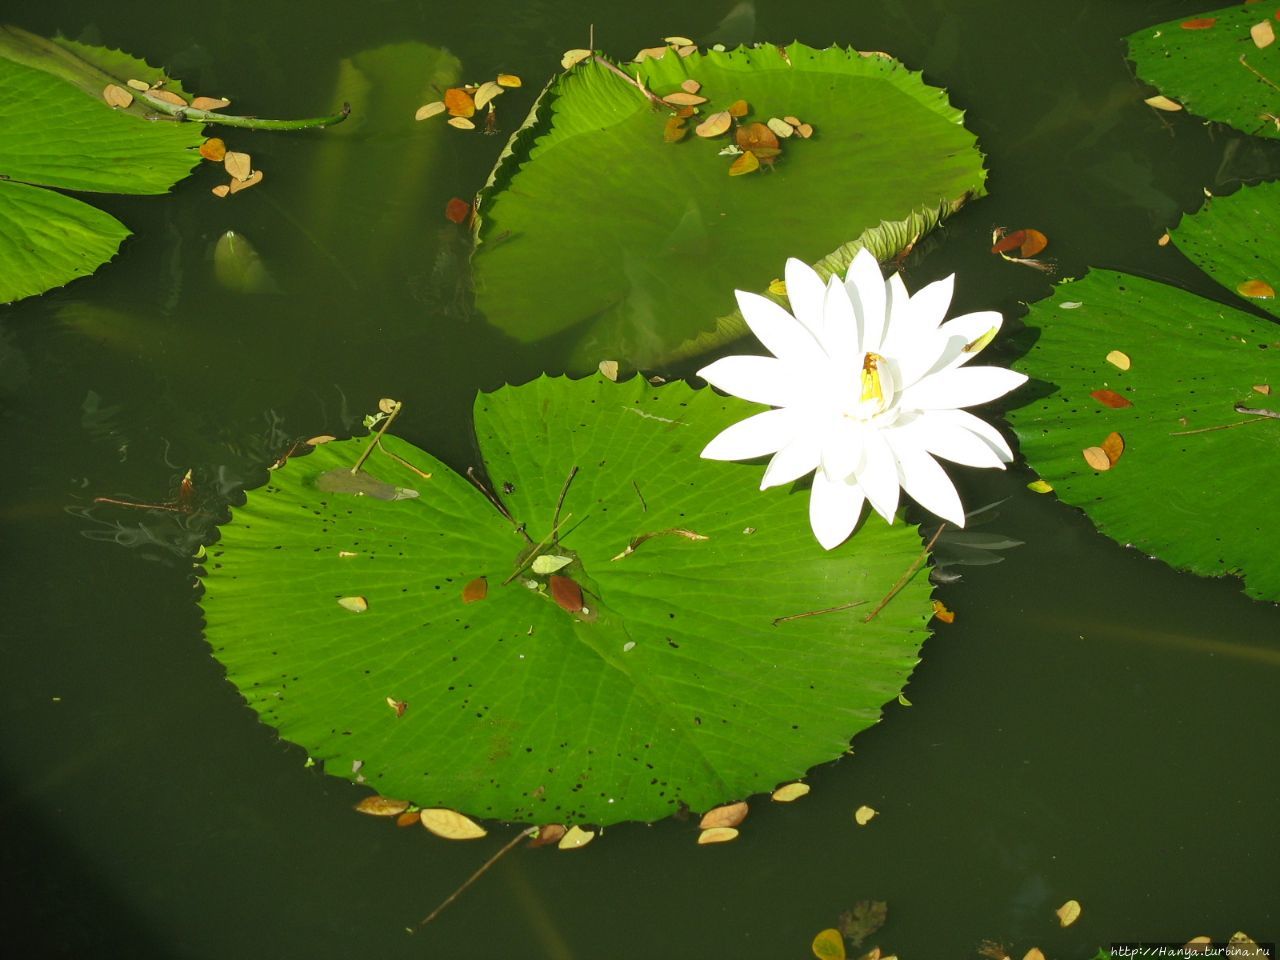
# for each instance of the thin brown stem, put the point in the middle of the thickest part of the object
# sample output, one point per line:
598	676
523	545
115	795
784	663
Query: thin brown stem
1220	426
906	577
497	504
818	613
1265	79
396	406
510	845
656	100
564	491
534	550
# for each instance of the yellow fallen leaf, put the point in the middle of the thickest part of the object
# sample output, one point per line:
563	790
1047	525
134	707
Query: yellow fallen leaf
1263	34
138	84
1161	102
828	945
117	96
747	163
462	123
864	815
727	815
714	125
575	837
354	604
573	57
717	835
650	53
509	80
252	180
434	108
167	96
1040	486
805	130
678	41
1118	359
780	127
450	824
210	103
382	806
778	287
239	165
1257	289
221	190
1262	388
1097	458
1068	913
609	370
675	130
1164	239
214	149
789	792
739	108
321	439
1035	953
941	611
486	92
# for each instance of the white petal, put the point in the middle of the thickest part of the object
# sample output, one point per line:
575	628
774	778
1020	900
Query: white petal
866	287
834	509
842	449
934	433
793	461
878	474
753	437
896	339
927	483
840	325
782	334
759	379
805	292
960	387
928	306
963	420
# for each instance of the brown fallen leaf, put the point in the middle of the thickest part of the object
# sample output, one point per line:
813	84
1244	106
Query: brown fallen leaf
751	136
117	96
428	110
459	103
548	834
691	86
566	593
450	824
686	50
1109	398
717	835
575	838
805	130
727	815
239	165
1097	458
1027	242
457	210
682	98
746	163
476	590
1068	913
382	806
166	96
221	190
739	108
252	180
651	53
407	819
1113	447
1199	23
675	130
1263	34
715	124
354	604
1262	388
1119	359
210	103
1257	289
790	792
213	149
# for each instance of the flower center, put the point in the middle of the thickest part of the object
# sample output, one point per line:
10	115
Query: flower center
877	389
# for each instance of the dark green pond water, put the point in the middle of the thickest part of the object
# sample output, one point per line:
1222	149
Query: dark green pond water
1093	726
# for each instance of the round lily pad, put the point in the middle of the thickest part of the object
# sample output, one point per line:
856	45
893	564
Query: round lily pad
698	647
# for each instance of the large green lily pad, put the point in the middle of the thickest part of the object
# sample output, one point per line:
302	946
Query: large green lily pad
1193	485
1211	64
55	133
678	683
593	223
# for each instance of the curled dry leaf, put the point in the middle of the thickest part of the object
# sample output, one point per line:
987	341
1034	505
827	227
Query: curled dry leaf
167	96
477	589
1263	34
675	130
780	127
1068	913
214	149
864	815
1097	458
1113	447
828	945
682	98
450	824
746	163
739	108
1119	359
457	210
715	124
1258	289
573	57
609	370
1161	102
252	180
717	835
728	815
462	123
486	92
382	806
432	109
459	103
210	103
789	792
575	837
117	96
221	190
943	613
239	165
354	604
1109	398
509	80
548	834
566	593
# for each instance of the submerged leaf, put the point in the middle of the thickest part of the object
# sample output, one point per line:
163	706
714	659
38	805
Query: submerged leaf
362	484
746	163
828	945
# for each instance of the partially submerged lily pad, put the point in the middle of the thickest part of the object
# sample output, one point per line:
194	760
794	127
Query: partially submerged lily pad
669	683
592	222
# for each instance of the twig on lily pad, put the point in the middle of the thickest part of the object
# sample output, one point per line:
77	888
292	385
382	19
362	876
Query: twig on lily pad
818	613
1258	411
911	572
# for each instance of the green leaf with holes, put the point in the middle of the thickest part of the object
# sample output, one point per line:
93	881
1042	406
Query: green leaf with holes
677	683
57	132
1213	65
593	223
1194	484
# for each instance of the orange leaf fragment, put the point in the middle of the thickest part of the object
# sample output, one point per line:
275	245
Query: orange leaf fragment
450	824
116	95
407	819
1027	242
252	180
752	135
1199	23
1258	289
747	163
1109	398
457	210
675	130
239	165
566	593
167	96
715	124
684	113
210	103
509	80
459	103
727	815
548	834
376	806
828	945
1113	447
682	98
944	614
213	149
739	108
477	589
1097	458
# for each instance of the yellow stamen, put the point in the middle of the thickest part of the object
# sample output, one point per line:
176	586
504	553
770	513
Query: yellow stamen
871	387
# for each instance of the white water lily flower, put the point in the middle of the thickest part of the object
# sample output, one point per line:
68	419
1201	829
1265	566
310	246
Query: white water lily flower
868	382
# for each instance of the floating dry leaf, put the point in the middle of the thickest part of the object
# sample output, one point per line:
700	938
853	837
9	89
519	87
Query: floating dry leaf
450	824
509	80
780	127
221	190
728	815
117	96
407	819
1164	239
354	604
484	93
739	108
686	50
382	806
864	815
1068	913
477	589
1263	34
457	210
1035	953
655	53
682	98
944	614
575	837
320	439
239	165
459	103
1113	447
1109	398
717	835
790	791
1097	458
548	834
138	84
675	130
715	124
462	123
678	41
213	149
1258	289
573	57
1040	486
1242	945
866	917
549	563
1199	23
1262	388
691	86
1027	242
167	96
609	370
252	180
751	136
828	945
1119	359
746	163
566	593
1198	944
210	103
432	109
1161	102
778	287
